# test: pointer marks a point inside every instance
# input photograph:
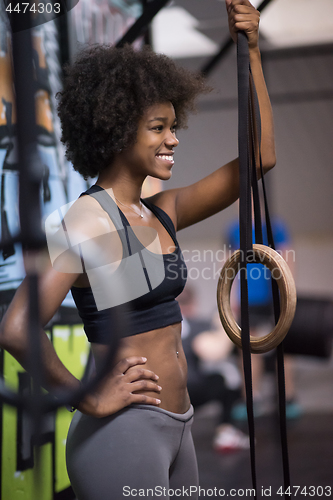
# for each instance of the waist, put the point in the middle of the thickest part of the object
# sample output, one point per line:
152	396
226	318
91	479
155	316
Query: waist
165	357
182	417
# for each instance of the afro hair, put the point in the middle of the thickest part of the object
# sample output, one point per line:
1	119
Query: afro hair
107	91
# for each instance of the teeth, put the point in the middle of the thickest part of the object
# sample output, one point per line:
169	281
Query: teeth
165	157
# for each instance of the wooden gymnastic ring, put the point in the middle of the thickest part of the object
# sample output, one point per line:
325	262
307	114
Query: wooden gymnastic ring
282	274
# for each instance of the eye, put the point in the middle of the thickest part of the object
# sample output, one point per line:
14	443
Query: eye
159	128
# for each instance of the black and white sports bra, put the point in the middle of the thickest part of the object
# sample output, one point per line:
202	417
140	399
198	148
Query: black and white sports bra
147	286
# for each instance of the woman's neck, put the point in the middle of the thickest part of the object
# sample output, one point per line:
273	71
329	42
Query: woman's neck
125	188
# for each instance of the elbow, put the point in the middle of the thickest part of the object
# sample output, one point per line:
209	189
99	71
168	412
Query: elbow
268	155
6	343
268	162
10	339
3	336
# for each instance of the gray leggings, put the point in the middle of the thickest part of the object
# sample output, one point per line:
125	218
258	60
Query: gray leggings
140	447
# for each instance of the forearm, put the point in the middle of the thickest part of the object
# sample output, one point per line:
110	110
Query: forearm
242	16
55	374
56	377
267	125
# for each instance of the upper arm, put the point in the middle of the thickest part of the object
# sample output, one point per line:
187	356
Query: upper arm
53	287
191	204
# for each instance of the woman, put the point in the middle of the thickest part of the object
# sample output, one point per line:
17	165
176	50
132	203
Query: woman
120	111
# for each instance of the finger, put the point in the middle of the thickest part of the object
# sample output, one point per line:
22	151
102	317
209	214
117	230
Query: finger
233	3
228	4
243	9
249	21
137	373
245	26
241	14
144	385
143	399
123	365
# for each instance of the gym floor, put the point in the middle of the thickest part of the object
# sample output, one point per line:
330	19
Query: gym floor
310	441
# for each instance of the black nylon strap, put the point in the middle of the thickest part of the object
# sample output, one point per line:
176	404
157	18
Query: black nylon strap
254	113
276	304
245	227
249	118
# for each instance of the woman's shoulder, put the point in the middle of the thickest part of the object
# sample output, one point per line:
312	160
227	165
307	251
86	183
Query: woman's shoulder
86	233
87	217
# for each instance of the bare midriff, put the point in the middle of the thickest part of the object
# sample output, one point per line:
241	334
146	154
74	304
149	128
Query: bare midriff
165	357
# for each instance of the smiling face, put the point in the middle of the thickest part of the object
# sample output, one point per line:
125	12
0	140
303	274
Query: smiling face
152	154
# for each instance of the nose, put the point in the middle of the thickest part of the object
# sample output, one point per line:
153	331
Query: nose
171	140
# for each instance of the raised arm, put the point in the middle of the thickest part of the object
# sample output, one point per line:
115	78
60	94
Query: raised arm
221	188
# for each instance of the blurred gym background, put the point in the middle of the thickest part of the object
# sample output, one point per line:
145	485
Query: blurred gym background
296	43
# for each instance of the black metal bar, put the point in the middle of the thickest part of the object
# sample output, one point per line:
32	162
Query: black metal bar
263	4
225	47
140	24
63	30
147	35
218	57
31	169
31	174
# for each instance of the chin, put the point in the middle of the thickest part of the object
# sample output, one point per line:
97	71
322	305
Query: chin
163	176
166	177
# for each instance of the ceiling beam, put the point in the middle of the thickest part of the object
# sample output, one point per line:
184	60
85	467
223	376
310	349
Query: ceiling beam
150	11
